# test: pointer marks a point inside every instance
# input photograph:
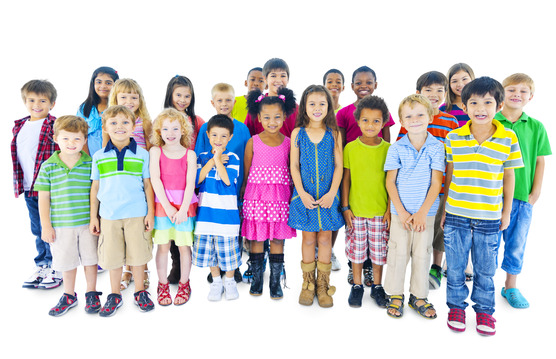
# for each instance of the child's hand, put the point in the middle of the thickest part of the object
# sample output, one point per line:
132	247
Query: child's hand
418	220
180	216
94	226
149	222
308	200
443	220
48	234
171	212
533	198
326	200
504	221
386	219
348	217
224	159
404	218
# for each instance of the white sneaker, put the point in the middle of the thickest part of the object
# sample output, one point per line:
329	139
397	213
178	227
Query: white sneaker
52	279
231	289
335	263
36	278
216	290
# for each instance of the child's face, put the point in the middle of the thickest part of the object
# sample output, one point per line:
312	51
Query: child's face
223	102
171	131
317	106
271	118
370	122
276	79
334	84
517	96
103	85
415	118
38	105
364	84
481	108
458	82
181	98
70	143
219	138
119	128
436	93
255	80
129	99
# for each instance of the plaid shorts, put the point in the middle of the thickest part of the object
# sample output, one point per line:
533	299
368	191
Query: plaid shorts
367	239
216	251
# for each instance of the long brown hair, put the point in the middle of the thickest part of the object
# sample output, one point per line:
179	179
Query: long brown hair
330	118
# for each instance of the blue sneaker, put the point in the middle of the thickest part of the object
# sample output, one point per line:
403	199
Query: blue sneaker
65	303
356	296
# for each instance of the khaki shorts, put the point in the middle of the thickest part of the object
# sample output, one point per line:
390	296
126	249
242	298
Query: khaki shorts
73	246
124	242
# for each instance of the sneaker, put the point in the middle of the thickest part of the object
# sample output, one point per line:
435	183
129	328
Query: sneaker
92	302
248	274
113	302
456	320
36	278
356	296
485	324
65	303
52	279
350	276
435	277
379	295
143	301
368	276
335	263
230	287
216	290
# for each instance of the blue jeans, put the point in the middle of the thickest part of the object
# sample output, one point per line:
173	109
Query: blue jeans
515	236
480	237
44	257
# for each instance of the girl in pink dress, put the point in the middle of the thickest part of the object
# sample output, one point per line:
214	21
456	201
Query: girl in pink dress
267	188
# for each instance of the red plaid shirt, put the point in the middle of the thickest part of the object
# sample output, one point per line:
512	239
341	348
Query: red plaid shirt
45	150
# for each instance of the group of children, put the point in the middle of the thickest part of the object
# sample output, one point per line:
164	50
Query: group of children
103	186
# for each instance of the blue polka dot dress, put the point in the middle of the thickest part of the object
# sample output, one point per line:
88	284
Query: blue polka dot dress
316	164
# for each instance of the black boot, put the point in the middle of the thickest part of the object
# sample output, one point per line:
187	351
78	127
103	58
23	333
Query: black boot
276	262
175	272
256	260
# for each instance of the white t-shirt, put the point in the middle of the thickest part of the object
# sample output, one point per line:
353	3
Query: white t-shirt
27	147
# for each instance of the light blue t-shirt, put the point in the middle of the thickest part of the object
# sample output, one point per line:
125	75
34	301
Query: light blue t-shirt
94	137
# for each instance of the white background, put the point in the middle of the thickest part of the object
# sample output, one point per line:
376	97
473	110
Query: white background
217	41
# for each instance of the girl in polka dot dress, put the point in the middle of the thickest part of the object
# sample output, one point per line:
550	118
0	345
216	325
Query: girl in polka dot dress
267	188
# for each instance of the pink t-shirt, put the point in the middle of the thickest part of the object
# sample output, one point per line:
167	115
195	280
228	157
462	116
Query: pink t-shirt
347	121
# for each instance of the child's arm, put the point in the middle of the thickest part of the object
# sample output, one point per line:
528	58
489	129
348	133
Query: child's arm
306	198
327	200
181	215
419	218
247	160
47	232
147	131
94	224
509	187
387	215
537	181
205	170
220	168
149	194
156	182
395	198
386	133
346	186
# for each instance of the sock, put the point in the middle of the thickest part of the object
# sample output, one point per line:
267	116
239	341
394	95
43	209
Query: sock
276	258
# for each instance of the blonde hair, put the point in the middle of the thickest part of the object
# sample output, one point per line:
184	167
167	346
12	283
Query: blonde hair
173	115
131	86
519	78
411	100
116	110
222	87
72	124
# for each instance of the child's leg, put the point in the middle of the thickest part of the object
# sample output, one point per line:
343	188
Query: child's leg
324	240
256	246
277	246
397	259
457	245
357	269
185	263
421	248
91	277
161	260
139	274
308	242
115	276
69	281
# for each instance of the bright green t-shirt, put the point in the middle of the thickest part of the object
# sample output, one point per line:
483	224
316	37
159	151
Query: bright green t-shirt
239	112
367	195
533	142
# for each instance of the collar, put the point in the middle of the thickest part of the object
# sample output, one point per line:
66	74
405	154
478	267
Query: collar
55	158
132	146
500	132
500	117
404	141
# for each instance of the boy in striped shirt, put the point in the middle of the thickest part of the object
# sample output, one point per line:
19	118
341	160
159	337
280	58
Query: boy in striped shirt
64	185
481	158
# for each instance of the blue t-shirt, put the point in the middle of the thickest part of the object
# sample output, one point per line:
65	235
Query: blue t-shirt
94	137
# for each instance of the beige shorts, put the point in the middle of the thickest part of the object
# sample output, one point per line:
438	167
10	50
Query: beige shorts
124	242
73	246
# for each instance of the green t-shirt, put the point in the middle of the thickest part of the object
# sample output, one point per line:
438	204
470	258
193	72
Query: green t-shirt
239	112
367	195
533	142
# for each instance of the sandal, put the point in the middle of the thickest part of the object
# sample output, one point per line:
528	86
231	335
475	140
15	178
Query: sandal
421	309
184	292
515	298
368	277
163	292
126	280
146	281
397	307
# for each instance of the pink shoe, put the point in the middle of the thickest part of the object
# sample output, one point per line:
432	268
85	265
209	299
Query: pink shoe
485	324
456	320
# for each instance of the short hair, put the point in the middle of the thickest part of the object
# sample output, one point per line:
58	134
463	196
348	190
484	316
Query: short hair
413	99
482	86
362	69
432	78
116	110
40	87
222	87
254	69
519	78
71	123
275	64
332	71
173	115
221	121
372	102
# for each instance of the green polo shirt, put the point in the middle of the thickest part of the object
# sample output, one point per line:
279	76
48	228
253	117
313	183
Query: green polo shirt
533	142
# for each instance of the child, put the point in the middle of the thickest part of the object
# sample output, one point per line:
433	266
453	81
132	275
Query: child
216	244
181	96
97	101
414	168
481	159
365	200
173	168
32	144
267	188
277	75
122	195
534	145
433	85
255	80
459	75
333	80
316	168
64	185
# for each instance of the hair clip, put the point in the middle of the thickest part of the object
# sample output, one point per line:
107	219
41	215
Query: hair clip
260	98
116	72
176	76
282	97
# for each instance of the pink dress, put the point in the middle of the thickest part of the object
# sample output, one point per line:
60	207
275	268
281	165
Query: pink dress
267	193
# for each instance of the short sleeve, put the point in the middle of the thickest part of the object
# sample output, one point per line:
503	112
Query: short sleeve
95	174
438	158
448	148
392	159
390	122
42	182
232	167
544	145
514	159
146	172
347	151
